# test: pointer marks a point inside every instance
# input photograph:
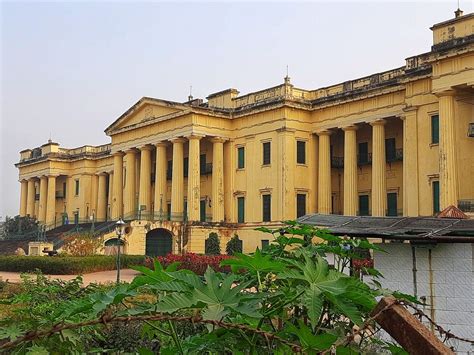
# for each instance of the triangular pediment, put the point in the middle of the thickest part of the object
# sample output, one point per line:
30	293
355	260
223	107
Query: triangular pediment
145	109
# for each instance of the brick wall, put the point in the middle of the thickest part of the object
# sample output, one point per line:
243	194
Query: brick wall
448	284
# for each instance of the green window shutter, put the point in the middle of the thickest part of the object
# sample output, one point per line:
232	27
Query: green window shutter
390	149
300	205
436	197
267	208
266	153
202	163
186	167
240	209
301	152
363	157
241	157
435	129
77	187
265	243
392	204
203	211
364	205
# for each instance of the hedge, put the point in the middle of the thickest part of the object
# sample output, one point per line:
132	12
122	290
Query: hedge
194	262
67	265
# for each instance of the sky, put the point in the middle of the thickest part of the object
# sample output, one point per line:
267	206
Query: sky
69	69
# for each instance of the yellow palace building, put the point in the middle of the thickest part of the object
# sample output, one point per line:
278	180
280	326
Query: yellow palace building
400	142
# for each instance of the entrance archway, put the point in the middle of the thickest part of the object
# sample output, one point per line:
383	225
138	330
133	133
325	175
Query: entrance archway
111	246
159	242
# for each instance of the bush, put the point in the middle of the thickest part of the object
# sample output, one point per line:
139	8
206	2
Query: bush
83	244
194	262
234	245
66	265
213	244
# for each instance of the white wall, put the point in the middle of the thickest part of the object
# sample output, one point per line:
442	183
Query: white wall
452	278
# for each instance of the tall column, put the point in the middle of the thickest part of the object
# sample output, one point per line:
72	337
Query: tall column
43	199
351	200
30	206
448	170
111	195
324	178
144	191
217	179
129	199
410	163
194	179
51	201
160	204
117	200
177	180
379	180
23	197
229	181
101	212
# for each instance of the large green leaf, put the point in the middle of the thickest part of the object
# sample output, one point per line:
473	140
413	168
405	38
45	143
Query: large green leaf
310	341
257	262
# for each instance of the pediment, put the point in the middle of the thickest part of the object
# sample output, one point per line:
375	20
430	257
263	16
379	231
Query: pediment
144	110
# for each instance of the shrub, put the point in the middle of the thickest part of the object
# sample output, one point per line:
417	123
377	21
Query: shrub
83	244
234	245
213	244
66	265
194	262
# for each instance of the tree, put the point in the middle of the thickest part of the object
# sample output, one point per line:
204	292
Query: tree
213	244
18	225
234	245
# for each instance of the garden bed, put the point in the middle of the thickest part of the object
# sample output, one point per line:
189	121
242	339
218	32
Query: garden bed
67	265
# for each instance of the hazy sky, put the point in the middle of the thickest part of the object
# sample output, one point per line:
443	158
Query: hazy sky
69	69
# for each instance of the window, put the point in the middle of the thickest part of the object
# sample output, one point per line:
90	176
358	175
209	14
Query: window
265	243
202	163
185	210
300	205
186	167
390	152
267	208
392	204
203	211
266	153
240	209
168	211
77	187
64	189
435	129
363	153
364	205
169	170
241	157
300	152
435	197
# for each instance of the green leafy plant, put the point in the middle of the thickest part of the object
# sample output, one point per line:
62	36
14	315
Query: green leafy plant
286	298
213	244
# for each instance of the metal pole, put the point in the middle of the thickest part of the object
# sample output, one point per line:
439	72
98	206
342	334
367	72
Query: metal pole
118	260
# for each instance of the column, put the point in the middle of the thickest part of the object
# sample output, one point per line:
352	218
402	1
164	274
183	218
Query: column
194	179
23	197
217	179
448	170
410	163
177	180
160	204
101	212
43	199
70	198
379	181
129	199
324	177
229	181
51	201
117	200
111	195
144	191
351	199
30	207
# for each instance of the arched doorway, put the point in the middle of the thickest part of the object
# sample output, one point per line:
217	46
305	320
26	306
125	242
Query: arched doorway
159	242
111	246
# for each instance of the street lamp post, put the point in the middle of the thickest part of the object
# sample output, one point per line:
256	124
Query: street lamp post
119	231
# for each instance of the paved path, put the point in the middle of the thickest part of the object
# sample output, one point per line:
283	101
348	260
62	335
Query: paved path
95	277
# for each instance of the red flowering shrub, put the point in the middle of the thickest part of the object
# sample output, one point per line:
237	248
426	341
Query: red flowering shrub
195	262
362	263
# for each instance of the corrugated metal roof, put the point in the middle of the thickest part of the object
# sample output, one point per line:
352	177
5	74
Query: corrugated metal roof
401	228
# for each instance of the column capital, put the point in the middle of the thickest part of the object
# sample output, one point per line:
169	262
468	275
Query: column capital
118	153
217	140
378	122
23	180
178	140
145	147
131	151
350	128
162	144
194	136
102	173
324	132
447	92
34	178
